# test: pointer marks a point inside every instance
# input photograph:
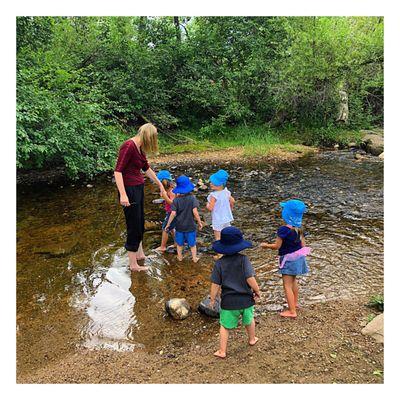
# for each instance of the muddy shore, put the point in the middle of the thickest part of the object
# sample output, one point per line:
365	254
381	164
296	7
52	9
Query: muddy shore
58	176
323	345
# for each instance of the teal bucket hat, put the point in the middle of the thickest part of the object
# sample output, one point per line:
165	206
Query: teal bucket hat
164	174
292	212
219	178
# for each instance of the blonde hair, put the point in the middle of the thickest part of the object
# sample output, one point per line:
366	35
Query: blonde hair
299	232
148	138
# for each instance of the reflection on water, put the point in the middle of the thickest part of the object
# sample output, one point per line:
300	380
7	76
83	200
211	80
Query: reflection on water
73	271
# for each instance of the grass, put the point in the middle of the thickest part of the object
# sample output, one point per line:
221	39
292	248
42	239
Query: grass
377	302
255	140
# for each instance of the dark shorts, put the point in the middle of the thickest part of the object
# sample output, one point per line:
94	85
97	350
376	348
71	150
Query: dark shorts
164	224
134	217
188	237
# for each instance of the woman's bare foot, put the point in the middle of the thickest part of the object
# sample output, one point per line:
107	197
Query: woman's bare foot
253	342
138	268
195	259
298	306
288	313
220	354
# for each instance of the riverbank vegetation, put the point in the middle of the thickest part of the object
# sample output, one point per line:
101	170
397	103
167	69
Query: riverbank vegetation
85	83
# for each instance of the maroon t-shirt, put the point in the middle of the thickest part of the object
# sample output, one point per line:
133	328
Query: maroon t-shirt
130	162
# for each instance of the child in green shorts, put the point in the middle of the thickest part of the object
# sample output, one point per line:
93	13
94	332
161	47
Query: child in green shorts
235	275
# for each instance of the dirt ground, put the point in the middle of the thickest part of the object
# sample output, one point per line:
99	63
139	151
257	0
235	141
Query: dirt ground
323	345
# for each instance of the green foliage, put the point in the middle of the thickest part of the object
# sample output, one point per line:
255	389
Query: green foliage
84	81
377	302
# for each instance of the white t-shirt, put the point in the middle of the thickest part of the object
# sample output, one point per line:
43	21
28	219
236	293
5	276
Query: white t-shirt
221	213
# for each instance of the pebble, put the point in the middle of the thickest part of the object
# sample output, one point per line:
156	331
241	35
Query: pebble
89	185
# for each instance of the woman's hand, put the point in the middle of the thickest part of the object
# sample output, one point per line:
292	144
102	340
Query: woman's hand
124	201
200	226
264	245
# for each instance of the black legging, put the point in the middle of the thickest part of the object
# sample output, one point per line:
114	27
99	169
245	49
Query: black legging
134	217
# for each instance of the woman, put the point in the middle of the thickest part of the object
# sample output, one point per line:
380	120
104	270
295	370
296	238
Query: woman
130	183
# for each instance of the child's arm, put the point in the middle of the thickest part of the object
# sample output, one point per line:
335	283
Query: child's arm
213	293
210	205
253	284
303	241
171	218
197	218
273	246
231	202
168	199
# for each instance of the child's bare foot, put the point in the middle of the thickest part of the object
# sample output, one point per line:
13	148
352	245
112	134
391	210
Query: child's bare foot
162	249
220	354
253	342
138	268
298	306
288	313
195	259
217	256
180	258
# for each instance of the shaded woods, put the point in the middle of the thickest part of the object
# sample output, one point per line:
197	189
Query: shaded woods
84	82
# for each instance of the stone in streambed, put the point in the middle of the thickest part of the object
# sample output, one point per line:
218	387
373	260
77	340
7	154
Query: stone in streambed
373	142
205	308
375	328
151	225
177	308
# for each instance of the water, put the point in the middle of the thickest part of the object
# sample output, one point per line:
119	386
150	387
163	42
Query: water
74	287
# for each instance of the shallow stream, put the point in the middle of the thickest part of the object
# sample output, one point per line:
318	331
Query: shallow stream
74	287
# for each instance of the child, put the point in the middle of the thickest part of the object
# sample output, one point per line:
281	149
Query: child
220	203
166	179
184	208
235	275
292	251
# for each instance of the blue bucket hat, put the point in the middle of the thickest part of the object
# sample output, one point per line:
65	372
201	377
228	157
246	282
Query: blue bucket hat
164	174
183	185
292	212
219	178
231	241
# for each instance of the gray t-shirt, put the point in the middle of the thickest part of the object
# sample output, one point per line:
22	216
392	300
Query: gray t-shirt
184	205
231	272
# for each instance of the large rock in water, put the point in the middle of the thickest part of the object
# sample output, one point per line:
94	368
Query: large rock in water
177	308
205	308
375	328
373	143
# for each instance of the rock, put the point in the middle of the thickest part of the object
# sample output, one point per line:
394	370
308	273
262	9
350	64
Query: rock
358	156
151	225
373	143
204	307
203	187
57	249
89	185
177	308
336	146
381	156
352	144
375	328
